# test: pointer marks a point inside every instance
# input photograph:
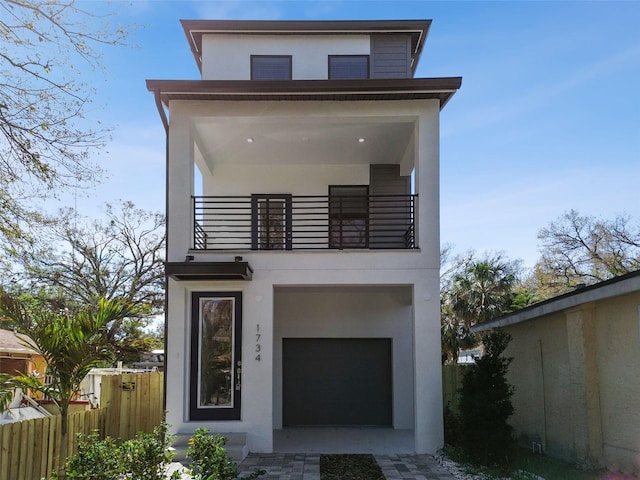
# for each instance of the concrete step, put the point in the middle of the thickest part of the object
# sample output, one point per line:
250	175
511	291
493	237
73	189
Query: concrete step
236	446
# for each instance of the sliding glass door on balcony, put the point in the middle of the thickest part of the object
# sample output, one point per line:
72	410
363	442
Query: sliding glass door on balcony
271	222
348	216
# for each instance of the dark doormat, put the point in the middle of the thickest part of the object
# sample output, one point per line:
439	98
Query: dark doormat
350	467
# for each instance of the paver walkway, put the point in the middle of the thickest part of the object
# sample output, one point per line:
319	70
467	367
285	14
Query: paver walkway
300	466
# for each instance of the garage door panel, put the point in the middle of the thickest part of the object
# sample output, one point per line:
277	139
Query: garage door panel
336	382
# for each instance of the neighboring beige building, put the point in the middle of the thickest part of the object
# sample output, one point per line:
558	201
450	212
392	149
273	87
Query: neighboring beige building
16	357
575	369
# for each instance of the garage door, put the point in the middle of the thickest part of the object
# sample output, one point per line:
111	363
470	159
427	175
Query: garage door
336	381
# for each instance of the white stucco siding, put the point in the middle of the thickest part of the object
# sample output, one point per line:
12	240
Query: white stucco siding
228	57
412	323
180	176
428	422
349	312
356	303
231	179
257	305
260	174
427	183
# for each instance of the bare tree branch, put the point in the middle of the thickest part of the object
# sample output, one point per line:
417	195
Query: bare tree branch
584	249
46	50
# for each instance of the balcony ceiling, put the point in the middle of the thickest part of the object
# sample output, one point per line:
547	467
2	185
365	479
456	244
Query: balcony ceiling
303	140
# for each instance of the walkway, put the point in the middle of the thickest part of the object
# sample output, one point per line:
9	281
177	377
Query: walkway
300	466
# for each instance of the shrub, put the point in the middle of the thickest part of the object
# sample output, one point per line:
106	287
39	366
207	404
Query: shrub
95	459
210	459
485	405
452	429
144	457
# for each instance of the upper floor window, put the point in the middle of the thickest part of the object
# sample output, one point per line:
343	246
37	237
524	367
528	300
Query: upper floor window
270	67
346	67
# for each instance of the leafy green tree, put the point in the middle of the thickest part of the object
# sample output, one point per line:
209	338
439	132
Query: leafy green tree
454	335
582	249
484	289
47	49
71	343
76	261
485	405
474	289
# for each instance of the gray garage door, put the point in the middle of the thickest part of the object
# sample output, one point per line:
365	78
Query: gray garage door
336	381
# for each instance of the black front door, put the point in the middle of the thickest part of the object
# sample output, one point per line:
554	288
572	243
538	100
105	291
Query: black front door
216	356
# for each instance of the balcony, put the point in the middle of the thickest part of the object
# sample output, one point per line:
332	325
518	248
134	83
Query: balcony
342	220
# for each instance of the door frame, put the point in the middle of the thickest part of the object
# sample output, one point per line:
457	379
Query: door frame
197	411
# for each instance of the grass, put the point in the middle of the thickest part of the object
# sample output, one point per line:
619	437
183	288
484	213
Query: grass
553	469
526	466
349	467
526	463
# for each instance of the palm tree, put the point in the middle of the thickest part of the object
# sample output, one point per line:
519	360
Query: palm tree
72	343
484	290
455	335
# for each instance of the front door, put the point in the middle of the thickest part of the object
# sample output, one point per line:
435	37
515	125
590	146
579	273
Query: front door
216	356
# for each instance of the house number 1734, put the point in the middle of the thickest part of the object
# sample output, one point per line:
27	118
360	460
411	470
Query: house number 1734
258	348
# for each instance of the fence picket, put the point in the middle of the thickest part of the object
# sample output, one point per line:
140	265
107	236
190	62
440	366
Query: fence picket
31	447
15	444
5	435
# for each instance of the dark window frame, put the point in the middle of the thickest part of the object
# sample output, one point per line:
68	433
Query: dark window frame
329	65
257	240
338	217
289	57
232	412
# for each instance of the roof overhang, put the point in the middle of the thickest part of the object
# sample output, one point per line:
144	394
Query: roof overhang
195	29
28	353
208	270
613	287
310	90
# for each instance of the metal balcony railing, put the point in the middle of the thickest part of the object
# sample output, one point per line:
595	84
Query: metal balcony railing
288	222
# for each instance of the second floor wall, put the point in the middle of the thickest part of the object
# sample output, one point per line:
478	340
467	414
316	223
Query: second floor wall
308	57
256	152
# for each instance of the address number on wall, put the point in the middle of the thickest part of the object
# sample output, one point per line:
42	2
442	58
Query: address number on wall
258	347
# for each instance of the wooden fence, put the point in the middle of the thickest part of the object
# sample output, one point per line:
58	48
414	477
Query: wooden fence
133	403
129	403
451	383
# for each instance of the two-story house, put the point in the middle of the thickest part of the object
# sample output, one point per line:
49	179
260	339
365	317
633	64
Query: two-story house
303	231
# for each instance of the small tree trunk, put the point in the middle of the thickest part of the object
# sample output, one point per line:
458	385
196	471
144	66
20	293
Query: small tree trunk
64	436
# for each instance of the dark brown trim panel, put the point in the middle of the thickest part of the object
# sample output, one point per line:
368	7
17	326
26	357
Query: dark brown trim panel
208	270
299	90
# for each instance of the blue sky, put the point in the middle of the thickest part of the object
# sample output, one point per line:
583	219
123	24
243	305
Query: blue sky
547	119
